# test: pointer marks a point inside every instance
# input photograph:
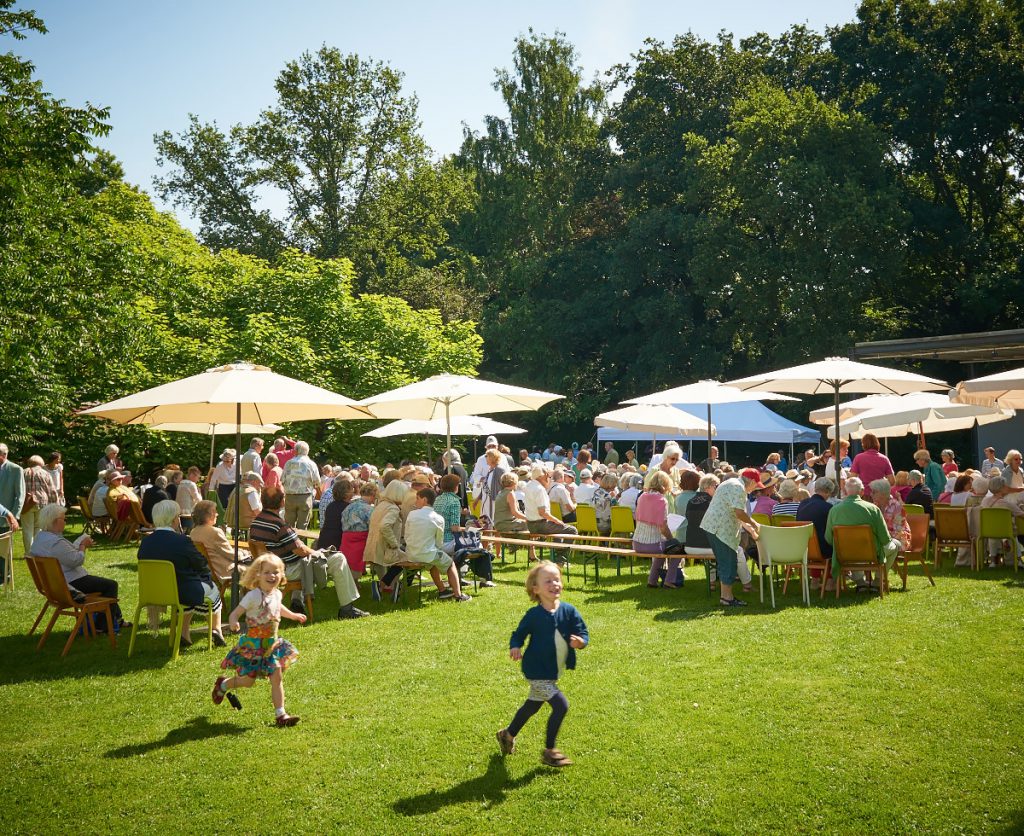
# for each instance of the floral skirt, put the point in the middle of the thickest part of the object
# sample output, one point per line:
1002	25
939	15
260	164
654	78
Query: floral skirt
260	657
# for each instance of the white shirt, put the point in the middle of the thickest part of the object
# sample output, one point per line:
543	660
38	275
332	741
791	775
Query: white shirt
560	494
585	492
424	534
187	495
535	498
629	497
480	471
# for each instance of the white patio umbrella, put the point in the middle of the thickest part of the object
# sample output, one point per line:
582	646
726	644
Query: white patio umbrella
211	430
447	395
1005	389
921	412
825	416
234	394
837	375
707	392
655	419
460	425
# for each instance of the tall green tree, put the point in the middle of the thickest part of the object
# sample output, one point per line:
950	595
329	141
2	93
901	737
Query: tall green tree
341	152
943	81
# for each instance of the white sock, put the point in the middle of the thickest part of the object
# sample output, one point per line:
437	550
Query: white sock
279	712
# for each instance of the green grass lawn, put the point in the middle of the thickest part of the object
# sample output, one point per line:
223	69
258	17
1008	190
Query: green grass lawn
894	716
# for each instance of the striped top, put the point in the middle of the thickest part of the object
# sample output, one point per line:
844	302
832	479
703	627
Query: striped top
268	528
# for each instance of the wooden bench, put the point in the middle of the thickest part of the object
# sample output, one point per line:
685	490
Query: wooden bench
581	543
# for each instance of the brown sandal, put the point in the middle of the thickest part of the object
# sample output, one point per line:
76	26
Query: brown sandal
552	757
506	742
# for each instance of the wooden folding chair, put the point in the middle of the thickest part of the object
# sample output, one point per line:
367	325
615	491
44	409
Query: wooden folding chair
93	524
49	577
7	555
951	530
919	535
223	583
815	560
854	551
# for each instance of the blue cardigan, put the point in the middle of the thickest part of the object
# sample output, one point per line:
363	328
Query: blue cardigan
540	659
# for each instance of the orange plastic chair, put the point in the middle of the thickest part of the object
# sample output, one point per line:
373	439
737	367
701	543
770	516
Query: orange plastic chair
815	560
918	548
951	529
854	547
49	578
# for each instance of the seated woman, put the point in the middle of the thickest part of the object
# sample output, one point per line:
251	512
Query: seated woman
696	537
788	503
689	484
652	528
384	538
892	510
330	520
901	486
602	500
220	549
195	586
766	501
50	542
449	508
962	489
508	519
157	493
630	486
355	524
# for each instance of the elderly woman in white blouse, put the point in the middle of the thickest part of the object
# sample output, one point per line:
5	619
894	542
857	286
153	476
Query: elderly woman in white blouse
50	542
222	477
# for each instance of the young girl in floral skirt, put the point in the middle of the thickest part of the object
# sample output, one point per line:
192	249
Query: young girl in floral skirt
260	654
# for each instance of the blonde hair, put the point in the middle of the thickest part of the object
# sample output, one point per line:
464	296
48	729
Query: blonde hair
251	578
659	481
531	577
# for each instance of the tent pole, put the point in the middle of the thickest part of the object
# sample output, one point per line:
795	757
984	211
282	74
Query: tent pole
238	499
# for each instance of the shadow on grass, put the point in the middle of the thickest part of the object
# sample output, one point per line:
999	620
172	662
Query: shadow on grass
490	788
198	728
86	658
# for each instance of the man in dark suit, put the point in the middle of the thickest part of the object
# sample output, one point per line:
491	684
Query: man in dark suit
195	586
815	510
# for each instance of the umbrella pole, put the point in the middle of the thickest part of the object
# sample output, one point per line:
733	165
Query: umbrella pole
709	431
427	435
213	442
920	428
238	500
448	437
836	458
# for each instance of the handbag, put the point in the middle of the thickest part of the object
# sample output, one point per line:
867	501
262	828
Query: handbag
674	547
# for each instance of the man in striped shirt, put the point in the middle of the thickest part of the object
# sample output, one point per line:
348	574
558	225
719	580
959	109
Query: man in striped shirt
301	563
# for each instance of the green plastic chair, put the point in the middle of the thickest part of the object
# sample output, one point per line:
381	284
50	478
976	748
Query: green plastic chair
784	546
158	587
996	524
913	509
779	519
762	519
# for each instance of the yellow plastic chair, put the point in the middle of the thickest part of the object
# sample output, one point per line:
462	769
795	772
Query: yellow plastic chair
158	587
779	519
623	523
996	524
762	519
784	546
556	510
913	509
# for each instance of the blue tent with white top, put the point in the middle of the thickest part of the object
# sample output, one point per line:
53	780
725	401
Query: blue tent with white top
744	421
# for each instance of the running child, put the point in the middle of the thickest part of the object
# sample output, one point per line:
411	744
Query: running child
556	632
260	654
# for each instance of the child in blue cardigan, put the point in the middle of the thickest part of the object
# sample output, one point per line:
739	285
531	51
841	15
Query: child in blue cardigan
556	632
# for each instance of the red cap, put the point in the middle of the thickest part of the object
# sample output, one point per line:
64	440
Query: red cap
751	474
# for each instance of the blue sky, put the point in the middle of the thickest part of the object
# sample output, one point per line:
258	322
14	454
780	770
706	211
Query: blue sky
153	63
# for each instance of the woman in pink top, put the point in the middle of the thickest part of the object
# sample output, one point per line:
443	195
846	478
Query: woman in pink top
872	464
652	528
271	473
